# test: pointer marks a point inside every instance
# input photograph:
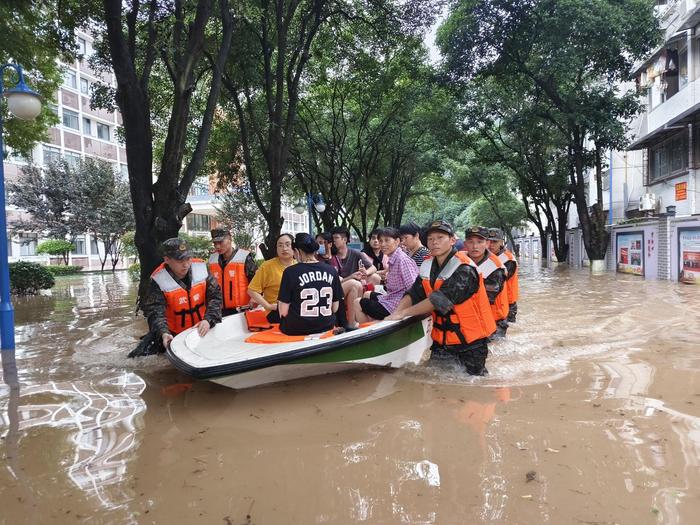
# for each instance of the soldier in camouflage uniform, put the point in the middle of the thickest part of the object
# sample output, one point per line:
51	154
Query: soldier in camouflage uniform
181	294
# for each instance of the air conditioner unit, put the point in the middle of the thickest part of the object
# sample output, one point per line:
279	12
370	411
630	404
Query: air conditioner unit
647	202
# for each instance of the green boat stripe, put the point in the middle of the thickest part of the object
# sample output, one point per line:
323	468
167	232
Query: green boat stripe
376	347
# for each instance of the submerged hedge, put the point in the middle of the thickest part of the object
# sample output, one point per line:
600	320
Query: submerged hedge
27	278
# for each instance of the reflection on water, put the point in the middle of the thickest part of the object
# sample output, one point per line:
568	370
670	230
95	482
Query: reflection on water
589	392
102	418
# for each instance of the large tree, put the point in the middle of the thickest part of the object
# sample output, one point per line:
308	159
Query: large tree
369	130
168	59
267	71
574	54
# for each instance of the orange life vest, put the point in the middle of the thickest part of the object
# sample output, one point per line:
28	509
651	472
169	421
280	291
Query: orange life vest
184	308
232	281
468	321
499	308
513	286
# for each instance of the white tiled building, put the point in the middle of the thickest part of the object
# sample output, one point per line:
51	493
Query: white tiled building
202	219
81	132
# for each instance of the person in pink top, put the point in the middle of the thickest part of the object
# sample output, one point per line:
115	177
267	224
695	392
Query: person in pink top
401	274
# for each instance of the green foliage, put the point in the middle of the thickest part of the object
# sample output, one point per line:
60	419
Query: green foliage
563	62
28	278
55	247
134	272
64	270
66	201
200	246
48	195
237	212
35	34
370	130
128	244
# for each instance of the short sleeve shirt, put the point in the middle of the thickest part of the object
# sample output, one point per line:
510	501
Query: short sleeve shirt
346	267
310	289
267	279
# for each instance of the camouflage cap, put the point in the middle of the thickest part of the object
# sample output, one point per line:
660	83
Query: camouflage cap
478	231
219	234
176	248
441	226
495	234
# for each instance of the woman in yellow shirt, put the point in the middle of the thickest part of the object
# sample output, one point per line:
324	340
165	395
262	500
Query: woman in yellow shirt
265	286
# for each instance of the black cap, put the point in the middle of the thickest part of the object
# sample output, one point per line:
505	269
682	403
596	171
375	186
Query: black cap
176	248
219	234
495	234
442	226
479	231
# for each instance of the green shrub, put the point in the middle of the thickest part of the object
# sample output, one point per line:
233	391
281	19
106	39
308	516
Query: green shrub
28	278
58	247
134	272
64	270
200	245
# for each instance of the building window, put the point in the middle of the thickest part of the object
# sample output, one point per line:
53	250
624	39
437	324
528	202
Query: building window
124	172
669	157
199	188
70	119
79	244
198	223
9	247
84	86
27	243
87	126
102	131
70	80
51	155
82	46
94	250
72	159
53	108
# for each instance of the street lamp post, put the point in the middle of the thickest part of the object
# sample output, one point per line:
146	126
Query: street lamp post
25	104
312	201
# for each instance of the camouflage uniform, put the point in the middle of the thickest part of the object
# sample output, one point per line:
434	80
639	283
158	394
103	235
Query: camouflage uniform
154	304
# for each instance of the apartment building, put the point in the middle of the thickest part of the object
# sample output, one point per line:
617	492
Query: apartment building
81	132
652	189
203	199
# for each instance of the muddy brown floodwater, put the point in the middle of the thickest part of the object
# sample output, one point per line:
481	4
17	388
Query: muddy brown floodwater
591	415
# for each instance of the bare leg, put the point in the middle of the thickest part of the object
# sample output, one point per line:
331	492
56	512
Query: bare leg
352	290
374	279
360	316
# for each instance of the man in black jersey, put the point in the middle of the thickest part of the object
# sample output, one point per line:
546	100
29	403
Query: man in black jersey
310	292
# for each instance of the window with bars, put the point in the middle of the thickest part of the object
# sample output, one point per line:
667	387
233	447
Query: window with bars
669	157
198	222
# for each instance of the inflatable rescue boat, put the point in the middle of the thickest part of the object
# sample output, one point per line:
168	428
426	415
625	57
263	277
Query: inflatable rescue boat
244	351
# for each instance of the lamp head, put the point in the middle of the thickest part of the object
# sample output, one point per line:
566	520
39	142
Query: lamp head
319	203
300	207
22	102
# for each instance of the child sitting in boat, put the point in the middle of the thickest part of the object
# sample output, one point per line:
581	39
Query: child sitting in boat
309	293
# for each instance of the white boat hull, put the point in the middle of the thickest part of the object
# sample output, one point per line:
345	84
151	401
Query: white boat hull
224	357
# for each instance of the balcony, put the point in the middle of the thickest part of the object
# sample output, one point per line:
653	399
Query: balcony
675	108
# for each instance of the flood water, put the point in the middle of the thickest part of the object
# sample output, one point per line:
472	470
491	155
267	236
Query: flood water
591	414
